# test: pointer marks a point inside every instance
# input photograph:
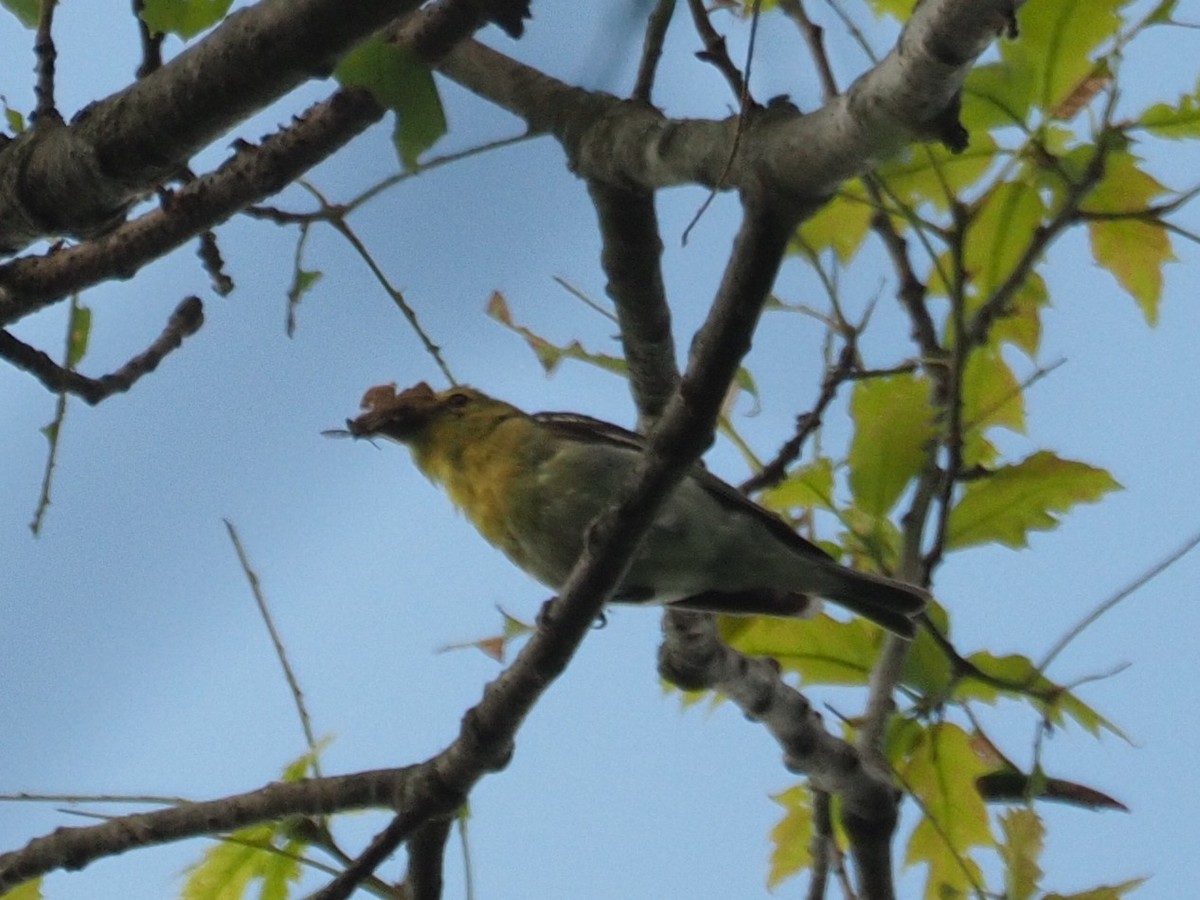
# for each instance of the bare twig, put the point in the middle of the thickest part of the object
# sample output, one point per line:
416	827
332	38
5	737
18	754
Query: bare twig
745	102
151	43
185	321
652	46
45	110
1141	581
715	51
808	422
336	217
813	35
277	642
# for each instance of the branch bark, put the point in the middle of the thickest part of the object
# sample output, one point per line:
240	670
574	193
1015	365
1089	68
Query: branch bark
80	179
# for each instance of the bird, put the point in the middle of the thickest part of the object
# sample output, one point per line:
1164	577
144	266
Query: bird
533	483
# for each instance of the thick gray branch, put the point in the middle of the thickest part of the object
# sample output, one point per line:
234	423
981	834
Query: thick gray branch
80	179
911	94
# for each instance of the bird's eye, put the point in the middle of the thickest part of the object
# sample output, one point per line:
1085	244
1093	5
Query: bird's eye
458	401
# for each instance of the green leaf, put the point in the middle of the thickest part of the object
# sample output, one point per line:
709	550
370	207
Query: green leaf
996	95
1132	246
1057	44
840	225
941	773
28	11
897	9
1177	122
1022	326
1161	15
1135	253
931	173
1020	850
258	853
892	424
79	331
806	487
12	117
792	835
1016	676
821	650
398	81
991	398
927	669
1001	227
1007	504
30	890
186	18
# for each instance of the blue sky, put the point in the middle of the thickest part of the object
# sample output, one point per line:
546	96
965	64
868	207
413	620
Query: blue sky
134	660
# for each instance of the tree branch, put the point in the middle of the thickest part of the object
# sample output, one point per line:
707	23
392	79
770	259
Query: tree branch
632	260
184	322
80	180
909	95
693	657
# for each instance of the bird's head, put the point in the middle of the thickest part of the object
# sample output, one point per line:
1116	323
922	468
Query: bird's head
409	416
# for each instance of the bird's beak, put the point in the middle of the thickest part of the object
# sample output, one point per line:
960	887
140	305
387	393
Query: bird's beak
394	415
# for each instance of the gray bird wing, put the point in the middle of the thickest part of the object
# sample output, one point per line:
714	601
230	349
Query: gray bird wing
585	429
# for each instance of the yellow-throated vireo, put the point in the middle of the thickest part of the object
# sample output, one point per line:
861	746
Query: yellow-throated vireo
532	484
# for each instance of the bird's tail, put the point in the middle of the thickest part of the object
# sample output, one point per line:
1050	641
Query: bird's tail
885	601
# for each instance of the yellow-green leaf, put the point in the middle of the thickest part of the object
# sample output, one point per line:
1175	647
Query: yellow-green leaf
996	95
806	487
186	18
1174	122
941	773
1002	225
1021	326
1125	187
792	835
1058	42
1020	850
821	650
25	10
991	398
398	81
1133	249
839	225
930	173
79	332
252	854
30	890
898	9
1135	252
892	424
1006	505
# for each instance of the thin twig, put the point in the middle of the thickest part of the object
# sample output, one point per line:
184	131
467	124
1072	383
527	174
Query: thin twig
151	42
45	110
280	651
652	46
808	422
813	35
336	217
184	322
715	51
745	102
822	847
1141	581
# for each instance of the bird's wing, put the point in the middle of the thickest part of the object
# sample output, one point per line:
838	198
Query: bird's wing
574	426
